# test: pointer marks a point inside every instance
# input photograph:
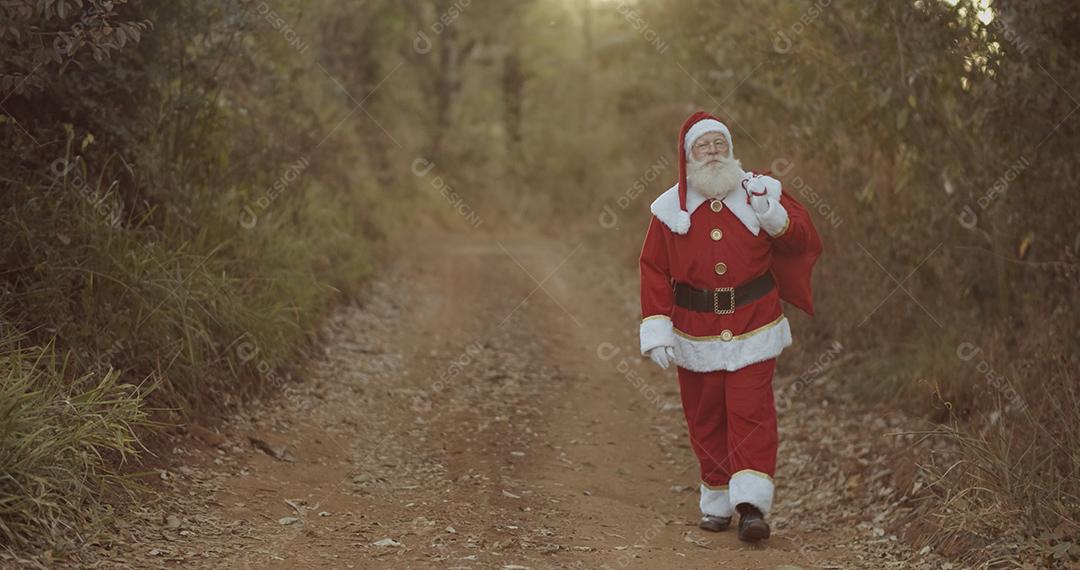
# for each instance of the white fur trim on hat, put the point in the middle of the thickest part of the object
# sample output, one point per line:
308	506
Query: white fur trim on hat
707	126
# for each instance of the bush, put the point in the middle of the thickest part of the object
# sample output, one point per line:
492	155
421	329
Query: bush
144	139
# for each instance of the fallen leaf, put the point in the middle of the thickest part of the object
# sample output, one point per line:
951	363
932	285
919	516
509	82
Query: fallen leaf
279	453
689	537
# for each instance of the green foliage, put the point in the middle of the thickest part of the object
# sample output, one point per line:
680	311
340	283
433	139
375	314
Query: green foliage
137	152
935	144
933	140
41	38
942	135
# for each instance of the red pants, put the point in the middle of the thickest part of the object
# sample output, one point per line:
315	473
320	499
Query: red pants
731	418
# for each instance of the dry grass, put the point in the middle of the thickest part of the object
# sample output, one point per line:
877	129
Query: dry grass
63	440
1009	482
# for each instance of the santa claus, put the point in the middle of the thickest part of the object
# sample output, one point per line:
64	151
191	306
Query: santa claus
723	248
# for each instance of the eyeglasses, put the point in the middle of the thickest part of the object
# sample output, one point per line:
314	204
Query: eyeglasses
719	144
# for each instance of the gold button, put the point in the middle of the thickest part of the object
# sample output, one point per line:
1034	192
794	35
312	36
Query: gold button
716	234
726	335
716	205
721	268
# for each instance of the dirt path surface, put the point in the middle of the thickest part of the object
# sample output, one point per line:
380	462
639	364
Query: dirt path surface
484	408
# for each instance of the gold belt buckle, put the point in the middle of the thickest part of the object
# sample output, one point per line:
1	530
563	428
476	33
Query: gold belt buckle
716	301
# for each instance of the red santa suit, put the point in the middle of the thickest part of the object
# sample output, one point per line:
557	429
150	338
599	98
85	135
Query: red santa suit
726	358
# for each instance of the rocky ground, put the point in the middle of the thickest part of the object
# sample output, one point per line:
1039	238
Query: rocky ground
486	407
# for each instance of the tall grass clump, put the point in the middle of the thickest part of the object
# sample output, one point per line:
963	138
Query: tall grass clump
1008	478
64	439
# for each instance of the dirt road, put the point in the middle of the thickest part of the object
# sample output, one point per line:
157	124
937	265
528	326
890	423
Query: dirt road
485	408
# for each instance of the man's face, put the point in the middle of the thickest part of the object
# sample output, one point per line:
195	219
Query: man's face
709	148
711	170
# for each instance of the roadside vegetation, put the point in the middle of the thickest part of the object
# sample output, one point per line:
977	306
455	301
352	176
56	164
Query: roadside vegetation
188	187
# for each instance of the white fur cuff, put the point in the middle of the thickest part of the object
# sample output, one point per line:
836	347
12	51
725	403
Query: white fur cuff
711	353
775	219
754	487
656	331
715	502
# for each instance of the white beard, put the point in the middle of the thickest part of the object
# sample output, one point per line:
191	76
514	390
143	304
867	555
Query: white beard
714	180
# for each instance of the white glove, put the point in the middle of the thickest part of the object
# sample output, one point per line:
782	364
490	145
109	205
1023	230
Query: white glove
757	192
662	356
760	204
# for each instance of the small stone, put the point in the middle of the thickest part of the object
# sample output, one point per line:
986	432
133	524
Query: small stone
287	520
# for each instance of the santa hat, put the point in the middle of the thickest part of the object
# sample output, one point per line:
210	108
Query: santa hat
698	124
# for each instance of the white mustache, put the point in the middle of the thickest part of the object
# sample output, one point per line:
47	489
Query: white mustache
713	162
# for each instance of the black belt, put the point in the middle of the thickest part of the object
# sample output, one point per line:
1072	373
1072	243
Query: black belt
724	300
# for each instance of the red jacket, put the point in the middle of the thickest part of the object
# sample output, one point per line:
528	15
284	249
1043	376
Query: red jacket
785	243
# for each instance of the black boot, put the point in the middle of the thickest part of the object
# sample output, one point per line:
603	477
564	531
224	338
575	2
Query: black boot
752	525
714	523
